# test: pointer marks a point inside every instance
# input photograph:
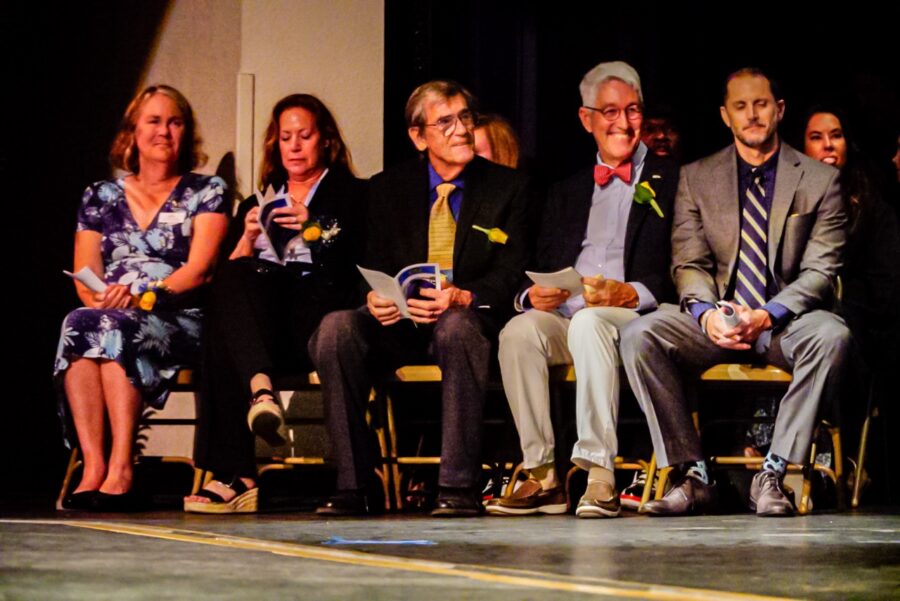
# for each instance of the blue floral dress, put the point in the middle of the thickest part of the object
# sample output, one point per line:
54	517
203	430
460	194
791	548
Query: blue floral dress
150	346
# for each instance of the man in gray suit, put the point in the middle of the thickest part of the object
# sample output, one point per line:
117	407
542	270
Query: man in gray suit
762	226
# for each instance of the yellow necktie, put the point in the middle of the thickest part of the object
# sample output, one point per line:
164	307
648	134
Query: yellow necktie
442	229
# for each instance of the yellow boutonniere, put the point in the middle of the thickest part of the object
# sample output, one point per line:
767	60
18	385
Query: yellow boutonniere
312	231
320	232
644	194
149	293
147	300
495	234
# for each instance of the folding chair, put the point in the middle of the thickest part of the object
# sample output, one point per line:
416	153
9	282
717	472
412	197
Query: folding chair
769	377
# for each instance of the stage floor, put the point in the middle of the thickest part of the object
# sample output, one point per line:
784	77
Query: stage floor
170	555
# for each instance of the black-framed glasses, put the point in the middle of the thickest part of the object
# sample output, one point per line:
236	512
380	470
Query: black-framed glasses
633	112
447	124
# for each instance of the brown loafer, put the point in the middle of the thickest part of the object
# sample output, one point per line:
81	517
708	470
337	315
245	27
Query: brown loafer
600	500
528	499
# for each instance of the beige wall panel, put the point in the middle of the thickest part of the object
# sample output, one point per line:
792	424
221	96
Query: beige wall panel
331	48
198	51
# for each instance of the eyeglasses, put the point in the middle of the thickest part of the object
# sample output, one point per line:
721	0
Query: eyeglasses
447	124
633	112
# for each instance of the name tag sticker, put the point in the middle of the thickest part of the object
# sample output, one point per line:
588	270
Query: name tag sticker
172	218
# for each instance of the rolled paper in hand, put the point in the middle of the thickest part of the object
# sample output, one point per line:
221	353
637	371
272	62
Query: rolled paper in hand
729	315
590	289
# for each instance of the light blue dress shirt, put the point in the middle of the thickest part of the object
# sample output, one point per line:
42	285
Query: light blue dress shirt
603	247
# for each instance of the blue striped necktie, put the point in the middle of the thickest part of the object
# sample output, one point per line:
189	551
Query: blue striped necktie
750	289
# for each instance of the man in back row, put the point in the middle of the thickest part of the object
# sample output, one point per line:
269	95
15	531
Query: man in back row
762	226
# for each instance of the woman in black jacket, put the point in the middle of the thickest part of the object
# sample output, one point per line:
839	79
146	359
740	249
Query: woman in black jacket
269	297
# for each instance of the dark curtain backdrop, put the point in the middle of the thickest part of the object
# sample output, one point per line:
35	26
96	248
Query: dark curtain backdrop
525	59
73	68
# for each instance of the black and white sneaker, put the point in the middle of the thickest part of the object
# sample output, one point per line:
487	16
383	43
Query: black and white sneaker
630	497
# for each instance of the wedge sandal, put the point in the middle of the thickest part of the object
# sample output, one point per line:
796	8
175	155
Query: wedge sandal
245	500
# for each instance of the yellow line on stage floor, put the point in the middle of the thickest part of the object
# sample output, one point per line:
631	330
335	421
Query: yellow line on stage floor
494	575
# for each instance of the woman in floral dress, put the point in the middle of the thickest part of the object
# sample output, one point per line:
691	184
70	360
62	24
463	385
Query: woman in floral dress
152	236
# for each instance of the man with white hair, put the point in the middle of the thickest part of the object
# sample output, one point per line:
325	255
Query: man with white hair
612	223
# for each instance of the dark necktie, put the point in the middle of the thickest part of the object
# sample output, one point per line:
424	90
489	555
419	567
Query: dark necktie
750	289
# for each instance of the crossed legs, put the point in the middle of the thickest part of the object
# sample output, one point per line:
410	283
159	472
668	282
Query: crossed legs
656	348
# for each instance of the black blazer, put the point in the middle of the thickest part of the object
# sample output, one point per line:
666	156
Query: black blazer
334	278
494	196
648	239
871	282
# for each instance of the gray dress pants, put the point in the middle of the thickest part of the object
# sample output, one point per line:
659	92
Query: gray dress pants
351	349
659	350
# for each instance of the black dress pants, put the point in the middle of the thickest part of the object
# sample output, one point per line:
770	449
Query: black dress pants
259	320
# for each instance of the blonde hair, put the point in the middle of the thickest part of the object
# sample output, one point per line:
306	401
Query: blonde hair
124	154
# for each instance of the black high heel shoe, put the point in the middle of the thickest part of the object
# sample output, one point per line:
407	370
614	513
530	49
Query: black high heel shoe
124	503
79	501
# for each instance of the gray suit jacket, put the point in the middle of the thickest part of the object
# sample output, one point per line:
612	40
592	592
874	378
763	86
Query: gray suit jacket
806	237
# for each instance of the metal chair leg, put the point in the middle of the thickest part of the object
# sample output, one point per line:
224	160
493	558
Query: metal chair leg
376	418
73	464
392	456
648	485
201	479
840	481
808	470
662	482
871	413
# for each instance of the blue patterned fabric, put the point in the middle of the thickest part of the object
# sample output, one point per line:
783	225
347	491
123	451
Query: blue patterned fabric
150	346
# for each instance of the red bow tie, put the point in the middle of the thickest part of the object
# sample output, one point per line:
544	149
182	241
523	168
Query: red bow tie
602	173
